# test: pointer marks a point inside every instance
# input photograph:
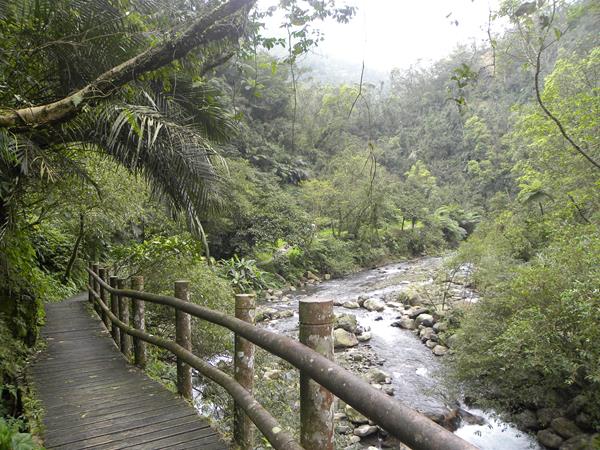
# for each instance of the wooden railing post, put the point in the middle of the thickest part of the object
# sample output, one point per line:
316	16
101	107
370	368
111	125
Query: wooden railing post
243	369
91	283
139	322
183	337
114	308
316	402
103	274
124	317
96	286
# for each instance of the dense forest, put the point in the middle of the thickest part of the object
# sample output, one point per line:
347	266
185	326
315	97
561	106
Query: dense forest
164	139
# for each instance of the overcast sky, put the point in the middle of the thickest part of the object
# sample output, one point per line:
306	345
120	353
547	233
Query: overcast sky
399	33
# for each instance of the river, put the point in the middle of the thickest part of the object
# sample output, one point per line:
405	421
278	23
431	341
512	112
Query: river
416	371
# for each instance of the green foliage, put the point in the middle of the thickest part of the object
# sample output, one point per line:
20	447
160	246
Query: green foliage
11	438
531	339
243	274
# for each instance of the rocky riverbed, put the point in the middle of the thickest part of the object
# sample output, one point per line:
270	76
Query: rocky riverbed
391	328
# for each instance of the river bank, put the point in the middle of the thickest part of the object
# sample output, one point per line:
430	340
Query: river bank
394	358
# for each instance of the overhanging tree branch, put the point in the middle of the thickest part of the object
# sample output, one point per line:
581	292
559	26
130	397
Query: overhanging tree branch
551	116
208	28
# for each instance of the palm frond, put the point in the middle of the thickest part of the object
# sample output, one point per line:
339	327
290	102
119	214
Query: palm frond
180	163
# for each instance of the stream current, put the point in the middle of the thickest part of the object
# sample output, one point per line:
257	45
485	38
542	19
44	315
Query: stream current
417	373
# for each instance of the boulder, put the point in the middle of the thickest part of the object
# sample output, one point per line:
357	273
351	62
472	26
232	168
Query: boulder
413	313
451	341
365	430
527	420
366	336
283	314
581	442
312	276
361	299
354	416
440	327
439	350
576	406
327	276
375	375
424	319
565	428
584	421
263	314
431	344
344	339
346	322
547	415
351	305
549	438
427	333
406	323
373	304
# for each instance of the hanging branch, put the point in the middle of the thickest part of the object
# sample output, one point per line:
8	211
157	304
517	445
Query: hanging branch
552	116
209	28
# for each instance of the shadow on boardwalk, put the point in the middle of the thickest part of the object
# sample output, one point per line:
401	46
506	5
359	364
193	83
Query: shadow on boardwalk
93	399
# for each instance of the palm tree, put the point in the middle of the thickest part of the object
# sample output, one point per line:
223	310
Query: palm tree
158	118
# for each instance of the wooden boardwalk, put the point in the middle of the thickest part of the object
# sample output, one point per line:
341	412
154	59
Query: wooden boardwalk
93	399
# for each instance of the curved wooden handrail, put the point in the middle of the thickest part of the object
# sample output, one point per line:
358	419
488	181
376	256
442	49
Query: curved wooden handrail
409	426
263	420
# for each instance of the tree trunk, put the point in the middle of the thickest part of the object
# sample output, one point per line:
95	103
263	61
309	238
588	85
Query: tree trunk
73	257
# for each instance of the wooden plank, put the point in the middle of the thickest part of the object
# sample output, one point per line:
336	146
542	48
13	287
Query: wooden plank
94	399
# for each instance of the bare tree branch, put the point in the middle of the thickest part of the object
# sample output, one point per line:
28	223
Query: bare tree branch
208	28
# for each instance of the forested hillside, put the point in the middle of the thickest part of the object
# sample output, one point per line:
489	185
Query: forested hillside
211	159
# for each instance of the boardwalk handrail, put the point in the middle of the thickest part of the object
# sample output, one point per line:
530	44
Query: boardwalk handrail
406	424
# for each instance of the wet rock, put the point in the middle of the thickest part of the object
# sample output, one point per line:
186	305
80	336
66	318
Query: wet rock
439	350
549	438
346	322
338	303
361	299
312	276
283	314
388	389
263	314
576	406
413	313
440	327
395	305
376	375
354	440
547	415
343	429
581	442
451	341
354	416
327	276
527	420
431	344
344	339
406	323
373	304
584	421
365	430
426	333
339	416
565	428
424	319
470	418
351	305
378	318
366	336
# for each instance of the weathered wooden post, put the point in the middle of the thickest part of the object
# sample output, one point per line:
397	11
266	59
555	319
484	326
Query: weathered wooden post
103	273
124	317
183	337
90	283
243	368
139	322
316	402
114	308
96	285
